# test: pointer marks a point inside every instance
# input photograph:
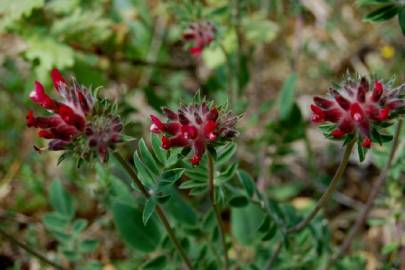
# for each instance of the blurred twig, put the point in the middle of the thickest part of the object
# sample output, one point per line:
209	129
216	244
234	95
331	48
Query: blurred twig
28	249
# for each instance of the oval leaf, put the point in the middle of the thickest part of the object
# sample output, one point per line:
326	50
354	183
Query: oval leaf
132	230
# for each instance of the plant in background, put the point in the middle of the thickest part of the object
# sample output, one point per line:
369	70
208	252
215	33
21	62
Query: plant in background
200	34
387	10
80	125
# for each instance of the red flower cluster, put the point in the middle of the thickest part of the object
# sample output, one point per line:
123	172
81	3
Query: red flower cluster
195	126
73	123
201	34
355	108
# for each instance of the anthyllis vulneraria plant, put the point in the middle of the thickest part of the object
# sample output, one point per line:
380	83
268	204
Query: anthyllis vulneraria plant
359	109
195	126
81	124
201	34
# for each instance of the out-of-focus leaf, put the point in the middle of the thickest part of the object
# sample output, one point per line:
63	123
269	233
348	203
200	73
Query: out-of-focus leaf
148	210
180	209
244	222
382	14
132	230
61	200
247	182
49	53
287	95
155	264
238	201
401	18
259	29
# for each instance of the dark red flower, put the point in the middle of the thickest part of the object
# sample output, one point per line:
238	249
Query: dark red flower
357	109
195	126
201	34
73	123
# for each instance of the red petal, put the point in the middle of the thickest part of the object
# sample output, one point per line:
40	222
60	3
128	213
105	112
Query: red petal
45	134
172	128
39	97
68	115
30	119
366	143
209	127
170	114
338	133
357	112
384	113
347	125
333	115
318	115
323	103
165	143
189	132
344	103
178	141
362	90
195	160
213	114
378	90
195	51
199	149
57	78
157	122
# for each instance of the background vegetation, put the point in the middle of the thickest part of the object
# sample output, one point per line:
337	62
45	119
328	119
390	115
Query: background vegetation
268	59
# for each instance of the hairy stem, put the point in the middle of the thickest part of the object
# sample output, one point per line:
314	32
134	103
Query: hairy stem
329	191
273	258
211	191
159	210
28	249
370	201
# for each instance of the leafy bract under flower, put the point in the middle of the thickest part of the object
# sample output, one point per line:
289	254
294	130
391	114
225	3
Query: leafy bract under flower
201	34
195	126
359	109
74	123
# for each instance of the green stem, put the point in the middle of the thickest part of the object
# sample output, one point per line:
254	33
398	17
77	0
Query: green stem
159	210
211	191
273	258
370	201
28	249
329	192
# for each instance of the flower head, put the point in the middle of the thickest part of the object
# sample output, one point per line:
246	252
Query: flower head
358	108
201	34
195	126
75	123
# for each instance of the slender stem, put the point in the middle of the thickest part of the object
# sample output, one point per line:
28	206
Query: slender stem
273	258
329	192
159	210
370	201
211	191
29	250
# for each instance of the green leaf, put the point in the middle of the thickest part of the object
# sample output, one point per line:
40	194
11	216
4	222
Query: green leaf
79	225
226	153
238	201
88	245
132	230
401	19
170	177
389	248
373	2
361	152
382	14
61	200
247	182
159	152
143	173
148	210
178	207
287	96
244	222
55	221
14	10
227	174
147	157
271	232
